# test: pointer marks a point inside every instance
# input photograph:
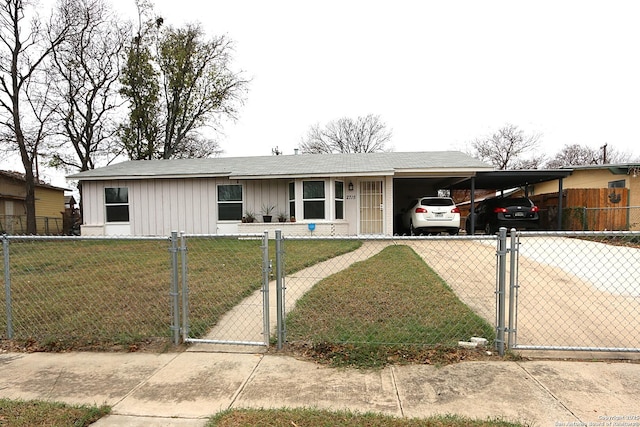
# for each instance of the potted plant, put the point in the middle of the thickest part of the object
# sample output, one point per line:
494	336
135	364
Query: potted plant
292	219
266	212
249	216
282	217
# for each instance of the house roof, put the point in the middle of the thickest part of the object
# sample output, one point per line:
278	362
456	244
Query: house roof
18	176
406	164
614	168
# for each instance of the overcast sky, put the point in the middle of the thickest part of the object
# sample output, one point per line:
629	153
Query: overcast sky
438	73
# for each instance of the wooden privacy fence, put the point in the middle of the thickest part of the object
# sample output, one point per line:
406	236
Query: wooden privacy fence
587	209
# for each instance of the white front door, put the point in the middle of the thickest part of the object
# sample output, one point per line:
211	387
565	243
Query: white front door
371	207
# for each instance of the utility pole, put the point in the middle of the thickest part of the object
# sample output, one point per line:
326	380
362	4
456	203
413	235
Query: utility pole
604	153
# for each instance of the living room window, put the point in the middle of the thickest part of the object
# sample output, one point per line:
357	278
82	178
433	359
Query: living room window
313	199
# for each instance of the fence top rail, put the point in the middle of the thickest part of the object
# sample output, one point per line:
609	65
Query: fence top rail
70	238
390	238
224	236
579	233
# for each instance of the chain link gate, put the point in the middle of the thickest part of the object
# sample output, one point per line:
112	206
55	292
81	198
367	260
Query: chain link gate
574	291
223	288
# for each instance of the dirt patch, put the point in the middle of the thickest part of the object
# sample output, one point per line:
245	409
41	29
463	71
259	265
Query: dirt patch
378	356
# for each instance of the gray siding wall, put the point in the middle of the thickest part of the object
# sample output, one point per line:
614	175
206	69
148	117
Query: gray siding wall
157	207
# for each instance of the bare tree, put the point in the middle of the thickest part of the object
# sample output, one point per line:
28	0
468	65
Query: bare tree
576	155
87	68
364	135
505	148
23	50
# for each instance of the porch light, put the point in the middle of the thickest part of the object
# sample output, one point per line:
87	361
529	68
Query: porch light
350	186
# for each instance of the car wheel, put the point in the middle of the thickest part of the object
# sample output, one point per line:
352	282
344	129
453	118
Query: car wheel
412	231
488	229
453	231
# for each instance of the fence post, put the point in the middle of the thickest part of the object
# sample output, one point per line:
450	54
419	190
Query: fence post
513	287
7	286
266	271
185	288
500	291
279	292
175	306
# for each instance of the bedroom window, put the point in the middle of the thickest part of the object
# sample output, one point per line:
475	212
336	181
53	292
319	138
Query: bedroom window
116	201
230	202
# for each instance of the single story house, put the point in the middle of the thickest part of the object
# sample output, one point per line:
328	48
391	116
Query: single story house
50	205
317	194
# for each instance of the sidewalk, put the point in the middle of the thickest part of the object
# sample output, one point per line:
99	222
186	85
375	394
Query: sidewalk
184	389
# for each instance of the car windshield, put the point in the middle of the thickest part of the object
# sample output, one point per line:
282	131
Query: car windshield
437	202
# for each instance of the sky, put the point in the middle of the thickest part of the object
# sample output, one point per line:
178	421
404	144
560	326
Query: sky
438	73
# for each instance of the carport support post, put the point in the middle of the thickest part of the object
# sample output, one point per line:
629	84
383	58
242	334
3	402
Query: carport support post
7	286
502	274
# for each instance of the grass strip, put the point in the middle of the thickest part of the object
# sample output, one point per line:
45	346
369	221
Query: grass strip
322	418
20	413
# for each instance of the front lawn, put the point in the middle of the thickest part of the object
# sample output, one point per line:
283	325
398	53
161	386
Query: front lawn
389	308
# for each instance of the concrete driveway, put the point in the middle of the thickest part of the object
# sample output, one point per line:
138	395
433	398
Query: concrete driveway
572	292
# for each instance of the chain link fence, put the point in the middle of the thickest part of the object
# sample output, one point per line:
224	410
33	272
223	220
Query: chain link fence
85	293
569	290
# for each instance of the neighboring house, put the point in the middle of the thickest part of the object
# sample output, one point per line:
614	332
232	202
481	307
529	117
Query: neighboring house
597	197
50	205
327	194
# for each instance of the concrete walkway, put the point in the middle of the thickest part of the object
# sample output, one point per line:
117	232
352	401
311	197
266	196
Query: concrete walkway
184	389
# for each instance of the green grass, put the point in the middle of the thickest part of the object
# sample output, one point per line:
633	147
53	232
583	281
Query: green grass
320	418
387	308
19	413
115	294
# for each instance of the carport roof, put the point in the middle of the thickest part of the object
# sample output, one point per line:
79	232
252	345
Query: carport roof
505	179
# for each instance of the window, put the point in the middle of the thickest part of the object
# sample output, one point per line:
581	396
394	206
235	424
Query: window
116	201
230	202
339	199
292	199
617	184
313	199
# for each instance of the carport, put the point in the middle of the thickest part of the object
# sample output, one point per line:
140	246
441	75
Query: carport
509	179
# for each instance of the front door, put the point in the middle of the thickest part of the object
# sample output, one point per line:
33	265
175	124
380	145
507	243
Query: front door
371	207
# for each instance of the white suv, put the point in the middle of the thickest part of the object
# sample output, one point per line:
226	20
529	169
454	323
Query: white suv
428	215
